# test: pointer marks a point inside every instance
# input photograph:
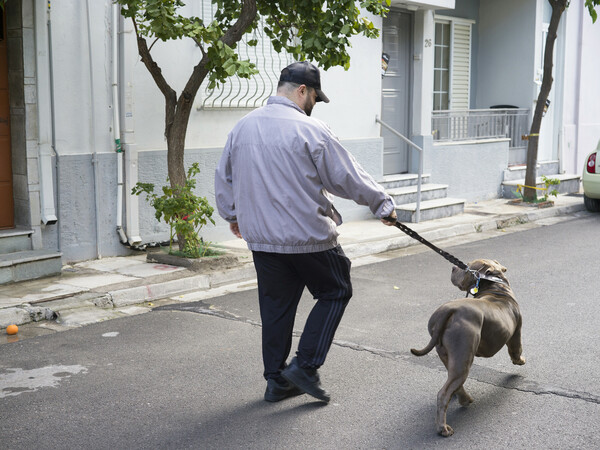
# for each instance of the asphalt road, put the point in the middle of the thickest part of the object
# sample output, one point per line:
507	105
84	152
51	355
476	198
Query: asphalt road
189	375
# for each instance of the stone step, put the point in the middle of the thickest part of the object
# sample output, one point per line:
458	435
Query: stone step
408	194
569	183
28	265
15	240
403	179
547	168
431	209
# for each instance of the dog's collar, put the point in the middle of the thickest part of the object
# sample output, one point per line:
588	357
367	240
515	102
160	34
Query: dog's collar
482	276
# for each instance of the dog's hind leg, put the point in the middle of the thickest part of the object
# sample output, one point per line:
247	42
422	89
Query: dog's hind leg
456	378
460	348
464	398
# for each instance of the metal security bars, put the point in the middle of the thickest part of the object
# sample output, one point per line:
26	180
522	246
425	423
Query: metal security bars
251	92
475	124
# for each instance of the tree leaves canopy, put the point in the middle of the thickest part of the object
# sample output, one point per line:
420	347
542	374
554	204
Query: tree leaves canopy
591	4
316	30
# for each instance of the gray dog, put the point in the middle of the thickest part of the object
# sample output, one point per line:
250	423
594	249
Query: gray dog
469	327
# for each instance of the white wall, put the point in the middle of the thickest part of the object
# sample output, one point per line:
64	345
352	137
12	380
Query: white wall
78	129
505	67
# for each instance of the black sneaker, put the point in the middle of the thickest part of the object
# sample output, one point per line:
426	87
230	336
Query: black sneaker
278	391
307	380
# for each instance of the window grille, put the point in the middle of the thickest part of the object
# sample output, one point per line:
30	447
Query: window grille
250	92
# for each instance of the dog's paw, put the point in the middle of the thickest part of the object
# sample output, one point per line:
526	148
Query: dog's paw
446	430
519	362
465	400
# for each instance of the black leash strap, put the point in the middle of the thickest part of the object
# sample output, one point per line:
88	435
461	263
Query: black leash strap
413	234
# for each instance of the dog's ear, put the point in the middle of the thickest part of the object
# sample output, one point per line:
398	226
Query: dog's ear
502	268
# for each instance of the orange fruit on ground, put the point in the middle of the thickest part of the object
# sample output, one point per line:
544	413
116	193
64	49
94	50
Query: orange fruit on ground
12	329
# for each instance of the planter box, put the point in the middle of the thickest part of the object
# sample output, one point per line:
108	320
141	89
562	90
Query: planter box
540	205
204	264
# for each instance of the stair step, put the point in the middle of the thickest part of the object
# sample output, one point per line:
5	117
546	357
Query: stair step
569	183
548	168
403	179
408	194
431	209
28	265
15	240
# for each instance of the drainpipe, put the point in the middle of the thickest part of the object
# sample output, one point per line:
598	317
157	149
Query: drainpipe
127	54
578	90
116	121
95	161
44	92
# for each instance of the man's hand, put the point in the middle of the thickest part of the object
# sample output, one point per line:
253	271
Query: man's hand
235	229
390	220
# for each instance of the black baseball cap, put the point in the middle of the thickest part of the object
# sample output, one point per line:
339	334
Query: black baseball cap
304	73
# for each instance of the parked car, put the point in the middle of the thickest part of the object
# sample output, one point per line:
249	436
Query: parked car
591	181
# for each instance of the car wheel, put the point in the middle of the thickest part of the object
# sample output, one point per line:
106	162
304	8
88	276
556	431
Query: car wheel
591	204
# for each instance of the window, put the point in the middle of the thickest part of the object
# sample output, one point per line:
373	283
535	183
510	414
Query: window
441	69
452	64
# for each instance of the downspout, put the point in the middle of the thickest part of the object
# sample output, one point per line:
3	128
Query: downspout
127	54
93	130
116	121
578	89
45	102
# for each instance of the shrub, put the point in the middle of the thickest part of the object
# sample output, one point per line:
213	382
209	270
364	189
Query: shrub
184	212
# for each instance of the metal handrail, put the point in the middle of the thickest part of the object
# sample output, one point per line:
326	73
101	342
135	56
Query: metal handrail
420	172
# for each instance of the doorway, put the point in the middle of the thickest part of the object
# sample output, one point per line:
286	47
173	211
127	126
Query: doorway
7	219
395	92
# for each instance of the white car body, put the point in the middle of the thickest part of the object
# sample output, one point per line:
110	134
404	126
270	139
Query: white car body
591	181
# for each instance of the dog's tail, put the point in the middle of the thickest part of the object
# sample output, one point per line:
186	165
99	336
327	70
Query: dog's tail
437	331
432	343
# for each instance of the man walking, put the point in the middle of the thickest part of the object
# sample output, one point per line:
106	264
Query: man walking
273	186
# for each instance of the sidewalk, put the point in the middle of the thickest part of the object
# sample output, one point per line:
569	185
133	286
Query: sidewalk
98	290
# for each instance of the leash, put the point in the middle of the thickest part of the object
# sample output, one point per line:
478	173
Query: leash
413	234
451	258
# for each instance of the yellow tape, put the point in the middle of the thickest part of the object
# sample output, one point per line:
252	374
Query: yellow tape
519	186
534	134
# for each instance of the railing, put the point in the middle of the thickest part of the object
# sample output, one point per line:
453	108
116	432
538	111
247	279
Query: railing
420	173
461	125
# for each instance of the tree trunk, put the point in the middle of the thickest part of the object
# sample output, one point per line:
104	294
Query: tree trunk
530	194
176	133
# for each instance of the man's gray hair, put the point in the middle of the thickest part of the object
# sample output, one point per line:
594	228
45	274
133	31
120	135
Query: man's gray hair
287	87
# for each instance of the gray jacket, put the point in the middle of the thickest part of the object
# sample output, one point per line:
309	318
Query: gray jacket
275	175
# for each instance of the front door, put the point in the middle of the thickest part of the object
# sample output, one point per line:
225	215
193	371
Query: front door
395	98
6	186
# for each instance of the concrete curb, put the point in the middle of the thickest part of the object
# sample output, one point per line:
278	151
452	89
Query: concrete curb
128	296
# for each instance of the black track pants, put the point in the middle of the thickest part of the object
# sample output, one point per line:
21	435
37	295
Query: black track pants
281	281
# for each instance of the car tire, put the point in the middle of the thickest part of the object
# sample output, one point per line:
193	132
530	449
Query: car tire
591	204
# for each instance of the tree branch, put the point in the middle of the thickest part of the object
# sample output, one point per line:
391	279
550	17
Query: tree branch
152	45
156	73
237	30
199	44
